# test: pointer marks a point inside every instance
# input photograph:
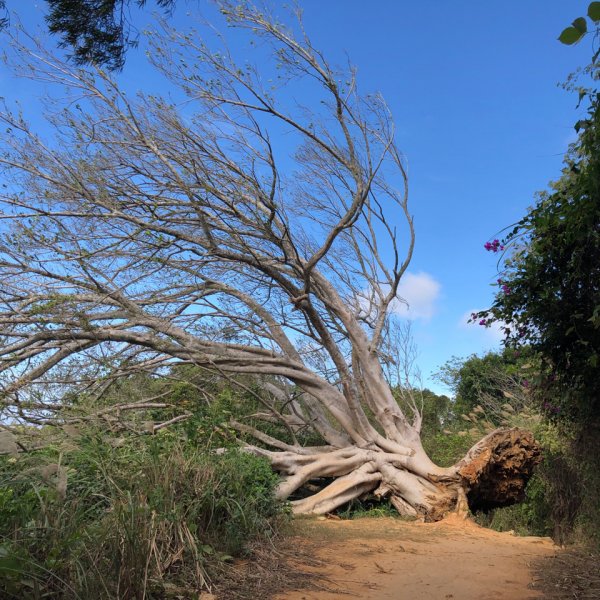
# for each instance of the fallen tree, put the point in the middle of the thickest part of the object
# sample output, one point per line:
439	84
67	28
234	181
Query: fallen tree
254	236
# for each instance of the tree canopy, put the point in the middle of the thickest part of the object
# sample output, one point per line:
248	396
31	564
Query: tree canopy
488	381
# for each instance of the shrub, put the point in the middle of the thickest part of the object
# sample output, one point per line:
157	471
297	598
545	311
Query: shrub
447	448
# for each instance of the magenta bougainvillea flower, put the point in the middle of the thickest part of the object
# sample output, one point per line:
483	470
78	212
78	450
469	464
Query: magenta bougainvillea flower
493	246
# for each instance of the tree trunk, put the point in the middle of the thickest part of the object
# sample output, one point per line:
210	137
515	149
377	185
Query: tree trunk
493	473
141	240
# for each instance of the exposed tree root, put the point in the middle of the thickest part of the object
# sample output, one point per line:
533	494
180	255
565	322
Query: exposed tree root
340	492
496	470
493	473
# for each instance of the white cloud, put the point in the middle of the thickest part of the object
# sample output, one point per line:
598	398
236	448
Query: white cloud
421	292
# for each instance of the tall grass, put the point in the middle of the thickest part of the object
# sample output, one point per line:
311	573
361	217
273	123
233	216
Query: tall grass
140	518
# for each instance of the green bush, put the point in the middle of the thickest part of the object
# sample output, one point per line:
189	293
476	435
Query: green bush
530	517
446	449
138	516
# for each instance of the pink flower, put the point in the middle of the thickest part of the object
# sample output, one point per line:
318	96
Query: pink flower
493	246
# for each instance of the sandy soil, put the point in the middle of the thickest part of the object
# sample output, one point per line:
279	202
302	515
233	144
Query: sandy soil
388	559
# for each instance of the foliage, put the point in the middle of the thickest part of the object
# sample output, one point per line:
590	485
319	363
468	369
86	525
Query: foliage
549	300
479	379
97	31
447	448
493	391
139	516
489	391
549	295
435	411
579	28
585	460
538	513
370	507
442	440
530	517
562	498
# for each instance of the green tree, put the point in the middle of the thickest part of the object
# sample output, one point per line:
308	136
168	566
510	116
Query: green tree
550	285
436	411
549	297
484	380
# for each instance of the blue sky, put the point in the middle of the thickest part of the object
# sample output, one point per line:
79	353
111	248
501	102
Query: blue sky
473	87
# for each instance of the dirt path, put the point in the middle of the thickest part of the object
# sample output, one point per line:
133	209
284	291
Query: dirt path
388	559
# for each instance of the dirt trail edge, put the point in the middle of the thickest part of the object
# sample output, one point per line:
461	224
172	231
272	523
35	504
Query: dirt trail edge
389	559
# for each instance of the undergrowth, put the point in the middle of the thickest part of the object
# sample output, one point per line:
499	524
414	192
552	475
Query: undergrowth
368	508
130	518
563	497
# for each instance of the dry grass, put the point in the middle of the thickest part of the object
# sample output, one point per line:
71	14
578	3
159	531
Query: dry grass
288	563
570	574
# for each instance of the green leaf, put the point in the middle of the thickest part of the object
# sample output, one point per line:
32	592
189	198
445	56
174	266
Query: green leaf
10	565
570	36
594	11
580	24
207	549
225	557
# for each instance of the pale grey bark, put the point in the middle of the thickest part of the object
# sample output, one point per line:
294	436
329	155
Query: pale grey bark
138	237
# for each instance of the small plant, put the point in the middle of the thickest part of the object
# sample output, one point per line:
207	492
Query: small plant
370	507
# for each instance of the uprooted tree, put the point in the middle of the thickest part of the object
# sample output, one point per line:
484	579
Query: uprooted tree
138	238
